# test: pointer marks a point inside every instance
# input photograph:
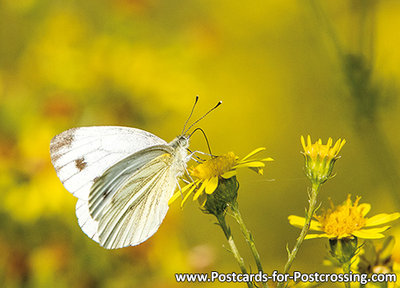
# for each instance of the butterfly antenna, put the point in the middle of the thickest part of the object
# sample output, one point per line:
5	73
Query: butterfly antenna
195	122
191	112
205	137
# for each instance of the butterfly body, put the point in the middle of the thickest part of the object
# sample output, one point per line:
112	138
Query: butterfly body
180	147
123	178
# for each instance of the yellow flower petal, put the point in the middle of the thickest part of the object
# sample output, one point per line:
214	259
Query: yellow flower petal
250	164
201	189
187	195
365	208
342	236
330	141
174	197
298	221
313	236
374	233
180	192
339	145
303	143
212	185
381	219
229	174
254	152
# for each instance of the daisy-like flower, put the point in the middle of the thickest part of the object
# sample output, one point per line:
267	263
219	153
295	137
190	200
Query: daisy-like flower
320	158
347	220
210	173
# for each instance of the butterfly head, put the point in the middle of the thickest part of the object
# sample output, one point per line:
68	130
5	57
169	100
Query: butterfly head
181	141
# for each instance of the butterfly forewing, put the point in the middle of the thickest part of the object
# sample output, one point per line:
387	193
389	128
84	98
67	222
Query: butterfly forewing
80	155
88	225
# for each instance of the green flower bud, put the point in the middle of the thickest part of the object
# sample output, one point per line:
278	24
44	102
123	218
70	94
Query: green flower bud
343	250
320	159
225	194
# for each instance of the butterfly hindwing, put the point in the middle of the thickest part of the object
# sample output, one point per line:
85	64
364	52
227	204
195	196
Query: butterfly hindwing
139	204
80	155
106	186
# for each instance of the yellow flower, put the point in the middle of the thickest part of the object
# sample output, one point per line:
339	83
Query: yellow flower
208	174
319	150
320	158
347	220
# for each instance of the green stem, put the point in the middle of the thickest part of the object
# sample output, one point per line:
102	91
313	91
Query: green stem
248	236
304	230
347	270
232	245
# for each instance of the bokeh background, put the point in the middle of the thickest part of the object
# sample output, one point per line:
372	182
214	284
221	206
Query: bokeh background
282	69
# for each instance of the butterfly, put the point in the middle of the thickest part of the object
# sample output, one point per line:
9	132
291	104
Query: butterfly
123	178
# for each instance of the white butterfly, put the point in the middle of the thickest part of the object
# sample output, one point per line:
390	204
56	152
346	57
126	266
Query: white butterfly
123	178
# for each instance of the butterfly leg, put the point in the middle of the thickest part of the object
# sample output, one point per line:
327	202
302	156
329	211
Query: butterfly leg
186	181
180	189
193	154
188	174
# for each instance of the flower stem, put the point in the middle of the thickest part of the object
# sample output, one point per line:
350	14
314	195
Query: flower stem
346	270
248	236
310	212
232	245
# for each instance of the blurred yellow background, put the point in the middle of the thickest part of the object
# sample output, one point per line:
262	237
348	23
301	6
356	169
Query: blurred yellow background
282	69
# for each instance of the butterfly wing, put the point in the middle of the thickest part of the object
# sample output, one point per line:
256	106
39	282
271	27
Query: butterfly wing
88	225
80	155
130	200
105	187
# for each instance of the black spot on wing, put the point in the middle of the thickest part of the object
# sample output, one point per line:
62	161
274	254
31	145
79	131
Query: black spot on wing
80	163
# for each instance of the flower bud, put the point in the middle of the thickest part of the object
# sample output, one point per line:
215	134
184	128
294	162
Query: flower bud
343	250
320	159
225	193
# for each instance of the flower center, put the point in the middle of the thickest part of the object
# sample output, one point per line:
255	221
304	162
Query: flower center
344	220
214	167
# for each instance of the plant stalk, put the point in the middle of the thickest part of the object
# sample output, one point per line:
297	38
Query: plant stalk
346	270
232	245
248	236
310	212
